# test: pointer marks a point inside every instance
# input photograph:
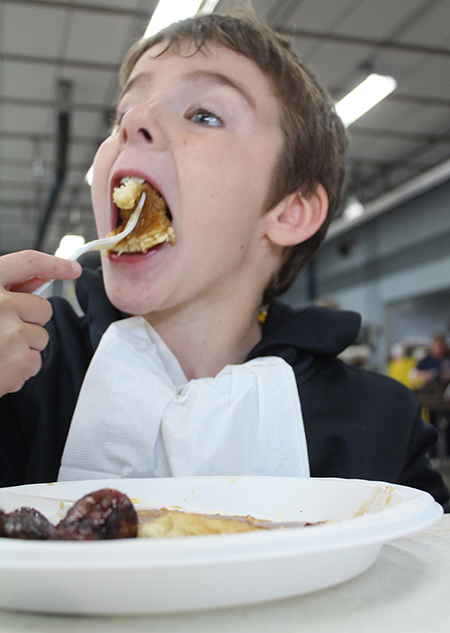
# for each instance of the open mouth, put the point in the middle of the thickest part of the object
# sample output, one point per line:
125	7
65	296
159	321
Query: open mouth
154	225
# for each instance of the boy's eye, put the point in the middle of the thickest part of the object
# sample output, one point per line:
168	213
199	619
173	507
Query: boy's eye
204	117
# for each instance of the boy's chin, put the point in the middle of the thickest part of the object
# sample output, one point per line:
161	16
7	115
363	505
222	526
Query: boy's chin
131	282
128	299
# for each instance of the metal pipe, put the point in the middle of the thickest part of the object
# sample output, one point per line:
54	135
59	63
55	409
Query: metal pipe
63	90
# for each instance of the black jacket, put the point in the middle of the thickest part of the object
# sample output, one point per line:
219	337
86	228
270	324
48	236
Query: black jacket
358	424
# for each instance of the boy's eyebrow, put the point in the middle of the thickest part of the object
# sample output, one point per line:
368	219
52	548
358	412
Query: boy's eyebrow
206	75
136	79
223	80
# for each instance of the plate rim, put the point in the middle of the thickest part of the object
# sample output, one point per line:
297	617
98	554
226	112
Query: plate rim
373	528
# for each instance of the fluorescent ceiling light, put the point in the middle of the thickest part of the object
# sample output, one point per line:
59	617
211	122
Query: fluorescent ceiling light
353	209
370	92
169	11
68	245
89	175
209	6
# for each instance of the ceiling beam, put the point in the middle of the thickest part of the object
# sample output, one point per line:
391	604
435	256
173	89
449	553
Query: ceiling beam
336	38
47	137
51	104
438	102
401	136
410	189
378	164
32	208
85	6
66	63
292	32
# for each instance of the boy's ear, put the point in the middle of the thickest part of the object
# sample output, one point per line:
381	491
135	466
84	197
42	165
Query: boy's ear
297	217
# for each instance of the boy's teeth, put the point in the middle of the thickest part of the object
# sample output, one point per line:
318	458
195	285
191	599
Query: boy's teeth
127	178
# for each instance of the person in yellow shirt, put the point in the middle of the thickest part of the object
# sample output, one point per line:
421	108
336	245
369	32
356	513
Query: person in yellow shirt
400	364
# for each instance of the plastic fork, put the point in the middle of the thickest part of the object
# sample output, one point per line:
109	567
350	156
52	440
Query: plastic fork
102	243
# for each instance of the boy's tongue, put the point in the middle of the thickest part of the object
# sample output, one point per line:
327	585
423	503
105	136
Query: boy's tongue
153	226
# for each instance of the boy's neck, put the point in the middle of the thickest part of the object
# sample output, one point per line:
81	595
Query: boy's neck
206	343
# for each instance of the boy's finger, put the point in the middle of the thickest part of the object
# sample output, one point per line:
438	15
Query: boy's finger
29	308
13	381
19	268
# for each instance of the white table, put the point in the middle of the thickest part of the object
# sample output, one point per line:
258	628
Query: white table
407	590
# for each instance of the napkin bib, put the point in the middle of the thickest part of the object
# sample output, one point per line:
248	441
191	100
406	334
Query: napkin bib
138	416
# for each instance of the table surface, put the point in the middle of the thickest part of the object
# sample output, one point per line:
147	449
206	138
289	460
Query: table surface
435	397
434	403
407	589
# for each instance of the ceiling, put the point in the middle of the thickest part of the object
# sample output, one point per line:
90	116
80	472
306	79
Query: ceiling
83	42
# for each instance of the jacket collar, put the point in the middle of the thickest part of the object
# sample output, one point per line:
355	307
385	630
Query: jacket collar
304	336
313	330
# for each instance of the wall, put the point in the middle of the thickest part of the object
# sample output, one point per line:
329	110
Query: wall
394	270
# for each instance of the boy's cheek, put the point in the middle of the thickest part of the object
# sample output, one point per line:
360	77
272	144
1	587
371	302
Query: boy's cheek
100	194
104	160
102	220
100	205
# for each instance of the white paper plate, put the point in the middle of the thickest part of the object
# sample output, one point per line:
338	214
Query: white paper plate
178	574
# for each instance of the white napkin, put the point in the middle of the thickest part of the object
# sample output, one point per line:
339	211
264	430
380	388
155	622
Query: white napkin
138	416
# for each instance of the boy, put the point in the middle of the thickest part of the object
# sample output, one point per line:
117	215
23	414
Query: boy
244	146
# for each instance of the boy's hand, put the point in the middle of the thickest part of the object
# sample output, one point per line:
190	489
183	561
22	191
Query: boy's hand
23	315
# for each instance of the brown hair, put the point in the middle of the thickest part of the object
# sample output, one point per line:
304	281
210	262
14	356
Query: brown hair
314	137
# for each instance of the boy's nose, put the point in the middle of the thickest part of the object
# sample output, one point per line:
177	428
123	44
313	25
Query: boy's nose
141	124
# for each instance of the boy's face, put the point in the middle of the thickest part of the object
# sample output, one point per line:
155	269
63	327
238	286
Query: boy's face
203	129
